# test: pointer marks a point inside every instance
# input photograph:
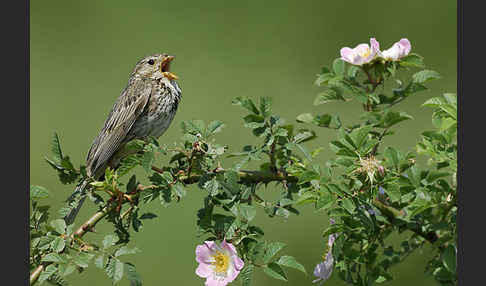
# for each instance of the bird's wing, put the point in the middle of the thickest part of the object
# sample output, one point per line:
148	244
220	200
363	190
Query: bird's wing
123	115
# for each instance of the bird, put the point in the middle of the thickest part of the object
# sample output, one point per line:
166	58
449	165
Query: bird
145	108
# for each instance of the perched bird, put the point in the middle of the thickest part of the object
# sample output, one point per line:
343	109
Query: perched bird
145	108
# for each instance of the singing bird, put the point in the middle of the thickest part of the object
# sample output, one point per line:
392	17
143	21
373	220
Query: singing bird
145	108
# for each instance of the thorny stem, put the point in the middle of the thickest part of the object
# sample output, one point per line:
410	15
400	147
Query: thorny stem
391	213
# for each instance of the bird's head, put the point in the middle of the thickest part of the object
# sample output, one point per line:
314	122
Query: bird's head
156	66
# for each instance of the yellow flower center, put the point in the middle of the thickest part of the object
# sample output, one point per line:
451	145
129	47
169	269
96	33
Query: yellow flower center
221	262
365	53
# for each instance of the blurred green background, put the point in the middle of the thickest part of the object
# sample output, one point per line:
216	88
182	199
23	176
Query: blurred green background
83	51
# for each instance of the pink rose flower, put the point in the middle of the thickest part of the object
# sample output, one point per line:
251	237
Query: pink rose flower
361	54
397	51
219	264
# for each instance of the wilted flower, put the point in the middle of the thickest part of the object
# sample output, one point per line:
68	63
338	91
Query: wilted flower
397	51
361	54
323	270
219	264
369	166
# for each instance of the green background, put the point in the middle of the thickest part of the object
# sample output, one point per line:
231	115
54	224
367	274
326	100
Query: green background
83	51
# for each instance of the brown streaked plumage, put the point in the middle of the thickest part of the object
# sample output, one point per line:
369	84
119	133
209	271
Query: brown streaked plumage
145	108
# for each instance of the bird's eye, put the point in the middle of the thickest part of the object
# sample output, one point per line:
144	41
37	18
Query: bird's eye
150	62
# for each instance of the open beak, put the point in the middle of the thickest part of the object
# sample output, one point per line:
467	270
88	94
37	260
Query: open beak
165	68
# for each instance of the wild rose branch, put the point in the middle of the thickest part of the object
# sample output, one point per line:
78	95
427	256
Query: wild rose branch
368	192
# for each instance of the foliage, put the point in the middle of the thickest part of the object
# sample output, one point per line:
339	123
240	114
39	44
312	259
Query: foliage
369	191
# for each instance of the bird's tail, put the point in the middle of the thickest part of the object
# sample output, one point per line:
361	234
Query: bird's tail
78	192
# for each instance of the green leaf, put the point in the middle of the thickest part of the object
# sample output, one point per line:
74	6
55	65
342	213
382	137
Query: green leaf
304	136
125	250
274	270
38	192
412	60
248	212
328	95
246	103
58	244
265	103
132	275
47	273
391	155
114	269
324	201
179	190
83	259
305	118
353	71
215	127
449	258
338	66
359	135
59	225
393	191
289	261
53	257
348	204
271	249
56	148
323	78
246	274
424	76
212	186
393	117
148	216
110	240
100	261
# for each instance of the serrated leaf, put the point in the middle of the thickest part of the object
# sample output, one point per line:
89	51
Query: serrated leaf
38	192
338	66
53	257
246	274
424	76
412	60
125	250
58	244
59	225
393	117
100	261
449	258
305	118
328	95
83	259
265	103
248	212
47	273
271	249
246	103
290	261
348	204
56	148
215	127
109	240
179	190
132	275
212	186
114	269
148	216
274	270
324	201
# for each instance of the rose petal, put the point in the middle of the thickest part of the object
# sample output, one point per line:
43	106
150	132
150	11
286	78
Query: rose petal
405	43
203	252
204	270
210	281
